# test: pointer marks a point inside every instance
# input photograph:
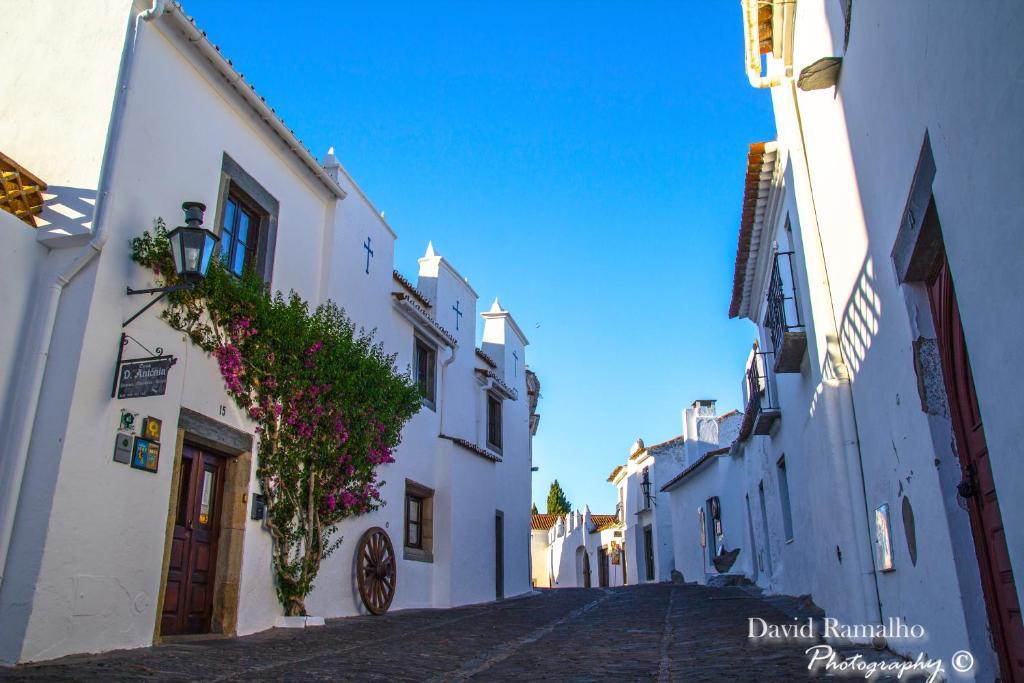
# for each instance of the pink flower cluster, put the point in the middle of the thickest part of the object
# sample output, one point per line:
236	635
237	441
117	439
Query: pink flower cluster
229	359
311	353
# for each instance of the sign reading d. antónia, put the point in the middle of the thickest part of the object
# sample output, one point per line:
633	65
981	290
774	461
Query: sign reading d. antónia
141	378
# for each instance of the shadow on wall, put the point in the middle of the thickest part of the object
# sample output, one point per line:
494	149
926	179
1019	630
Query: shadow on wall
858	327
67	213
859	323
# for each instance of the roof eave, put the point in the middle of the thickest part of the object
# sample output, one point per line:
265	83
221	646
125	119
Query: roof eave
198	40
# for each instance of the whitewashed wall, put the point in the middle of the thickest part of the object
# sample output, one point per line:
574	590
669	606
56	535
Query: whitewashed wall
93	584
862	142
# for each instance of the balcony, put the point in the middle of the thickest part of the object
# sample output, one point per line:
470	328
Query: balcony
763	403
782	320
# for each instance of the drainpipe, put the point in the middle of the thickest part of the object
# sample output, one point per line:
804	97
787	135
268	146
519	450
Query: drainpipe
444	385
849	430
752	46
35	370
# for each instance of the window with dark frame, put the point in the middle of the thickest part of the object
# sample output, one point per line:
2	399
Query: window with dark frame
424	369
246	221
419	522
239	233
414	521
494	423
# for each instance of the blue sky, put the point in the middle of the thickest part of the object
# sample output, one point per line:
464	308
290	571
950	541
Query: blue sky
583	161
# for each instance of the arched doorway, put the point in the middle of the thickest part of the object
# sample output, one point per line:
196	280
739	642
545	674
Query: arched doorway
582	567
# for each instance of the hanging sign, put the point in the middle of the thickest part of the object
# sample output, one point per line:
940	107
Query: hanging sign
144	377
140	377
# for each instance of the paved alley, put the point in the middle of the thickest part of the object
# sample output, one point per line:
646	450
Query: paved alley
651	632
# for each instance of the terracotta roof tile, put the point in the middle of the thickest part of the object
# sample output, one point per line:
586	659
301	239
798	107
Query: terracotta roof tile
543	522
411	288
487	359
472	448
602	522
755	159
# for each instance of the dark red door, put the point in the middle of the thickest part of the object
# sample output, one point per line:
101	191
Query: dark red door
188	596
978	486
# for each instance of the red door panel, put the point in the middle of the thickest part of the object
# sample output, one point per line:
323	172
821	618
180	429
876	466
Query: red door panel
978	487
191	570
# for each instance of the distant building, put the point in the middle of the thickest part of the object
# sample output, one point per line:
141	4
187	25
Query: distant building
577	550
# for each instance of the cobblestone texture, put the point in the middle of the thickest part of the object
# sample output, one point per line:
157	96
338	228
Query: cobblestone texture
661	632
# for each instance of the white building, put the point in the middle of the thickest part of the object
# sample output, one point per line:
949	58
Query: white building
708	526
577	550
128	111
878	256
643	508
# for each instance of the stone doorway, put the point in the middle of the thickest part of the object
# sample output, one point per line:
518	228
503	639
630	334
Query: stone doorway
230	456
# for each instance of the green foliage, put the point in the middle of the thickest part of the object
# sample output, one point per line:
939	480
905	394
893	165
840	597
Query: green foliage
329	404
533	509
558	504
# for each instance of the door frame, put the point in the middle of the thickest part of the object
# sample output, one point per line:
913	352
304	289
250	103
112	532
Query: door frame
650	570
918	251
235	446
499	555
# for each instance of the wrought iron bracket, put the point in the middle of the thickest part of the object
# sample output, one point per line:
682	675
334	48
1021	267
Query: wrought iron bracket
163	291
156	354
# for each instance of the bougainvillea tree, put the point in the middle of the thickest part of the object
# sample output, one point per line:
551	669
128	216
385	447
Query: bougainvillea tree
329	404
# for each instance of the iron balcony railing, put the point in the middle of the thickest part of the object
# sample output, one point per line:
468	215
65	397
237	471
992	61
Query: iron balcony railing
783	314
762	401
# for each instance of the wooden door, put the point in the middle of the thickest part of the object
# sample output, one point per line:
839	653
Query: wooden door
586	569
649	552
978	486
191	570
499	555
602	567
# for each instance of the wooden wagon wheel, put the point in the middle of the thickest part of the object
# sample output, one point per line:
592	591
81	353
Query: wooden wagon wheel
376	570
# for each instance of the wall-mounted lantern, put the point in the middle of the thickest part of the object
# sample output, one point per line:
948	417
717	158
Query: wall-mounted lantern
192	249
191	245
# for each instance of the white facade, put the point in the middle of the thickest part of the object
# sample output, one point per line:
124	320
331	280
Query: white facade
708	489
160	117
907	156
577	550
643	507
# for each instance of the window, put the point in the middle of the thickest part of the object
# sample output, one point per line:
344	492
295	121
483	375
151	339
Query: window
493	423
424	366
239	235
414	523
246	221
787	512
419	520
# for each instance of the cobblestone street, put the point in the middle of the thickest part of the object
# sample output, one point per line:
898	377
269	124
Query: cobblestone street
654	632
